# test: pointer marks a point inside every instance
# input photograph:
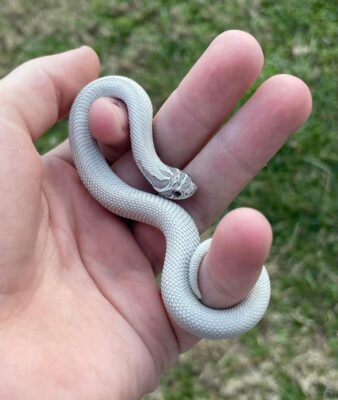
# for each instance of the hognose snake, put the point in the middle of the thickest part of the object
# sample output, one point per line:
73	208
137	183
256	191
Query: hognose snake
179	282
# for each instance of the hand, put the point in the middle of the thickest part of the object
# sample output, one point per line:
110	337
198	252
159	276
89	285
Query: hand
81	316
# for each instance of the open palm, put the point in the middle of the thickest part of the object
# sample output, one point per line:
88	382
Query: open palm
81	315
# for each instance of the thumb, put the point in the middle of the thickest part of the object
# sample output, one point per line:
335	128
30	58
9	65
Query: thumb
39	92
32	98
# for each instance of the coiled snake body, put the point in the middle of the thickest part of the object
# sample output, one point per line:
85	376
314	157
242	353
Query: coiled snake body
179	282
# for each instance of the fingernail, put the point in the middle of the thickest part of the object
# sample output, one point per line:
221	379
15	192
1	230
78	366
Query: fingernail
115	101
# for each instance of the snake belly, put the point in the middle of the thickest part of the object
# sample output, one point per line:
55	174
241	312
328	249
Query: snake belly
179	229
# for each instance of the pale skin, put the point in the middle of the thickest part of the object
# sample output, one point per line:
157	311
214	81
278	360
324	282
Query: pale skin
81	315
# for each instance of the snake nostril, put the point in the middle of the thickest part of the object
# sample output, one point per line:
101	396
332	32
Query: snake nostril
177	193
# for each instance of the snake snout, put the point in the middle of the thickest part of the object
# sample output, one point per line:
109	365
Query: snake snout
185	190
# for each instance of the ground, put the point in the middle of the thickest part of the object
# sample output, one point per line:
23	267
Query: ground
292	353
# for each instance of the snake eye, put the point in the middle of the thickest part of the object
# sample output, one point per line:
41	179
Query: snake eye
177	193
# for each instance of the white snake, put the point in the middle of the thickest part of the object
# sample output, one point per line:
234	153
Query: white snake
179	282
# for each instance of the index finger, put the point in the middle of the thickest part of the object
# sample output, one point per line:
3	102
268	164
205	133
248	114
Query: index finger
194	111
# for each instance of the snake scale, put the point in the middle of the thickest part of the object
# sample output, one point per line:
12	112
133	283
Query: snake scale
184	252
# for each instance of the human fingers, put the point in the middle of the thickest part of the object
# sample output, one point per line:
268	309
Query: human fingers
237	152
245	144
108	121
201	102
193	112
239	248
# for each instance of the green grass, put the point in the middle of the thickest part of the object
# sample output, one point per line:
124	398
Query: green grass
293	353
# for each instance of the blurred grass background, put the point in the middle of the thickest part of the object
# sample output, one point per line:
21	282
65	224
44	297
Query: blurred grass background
293	352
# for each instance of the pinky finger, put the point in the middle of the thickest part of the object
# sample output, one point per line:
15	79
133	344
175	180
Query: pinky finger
239	248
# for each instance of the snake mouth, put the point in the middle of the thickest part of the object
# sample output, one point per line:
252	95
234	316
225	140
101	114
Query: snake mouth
184	194
193	188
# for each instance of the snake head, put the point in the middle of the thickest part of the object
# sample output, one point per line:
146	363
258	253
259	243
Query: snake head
180	186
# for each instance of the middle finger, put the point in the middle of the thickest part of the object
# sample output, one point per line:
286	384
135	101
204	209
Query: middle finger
195	110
